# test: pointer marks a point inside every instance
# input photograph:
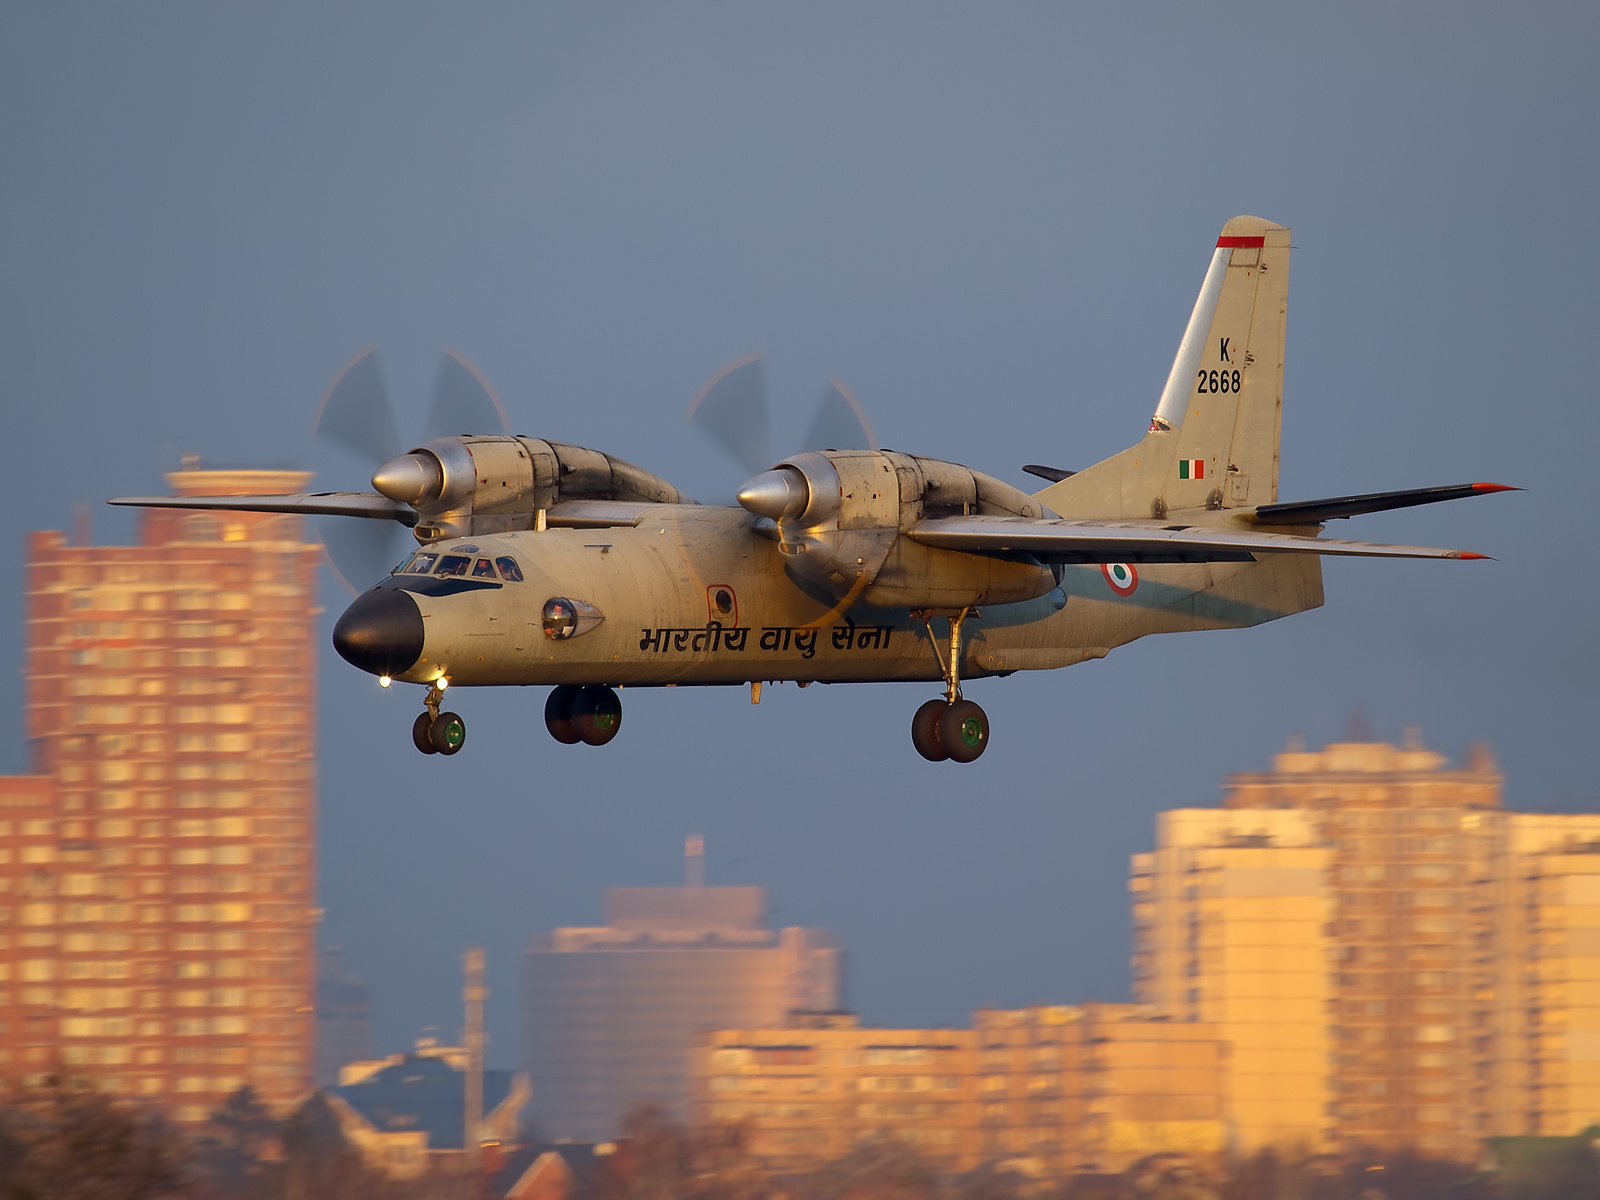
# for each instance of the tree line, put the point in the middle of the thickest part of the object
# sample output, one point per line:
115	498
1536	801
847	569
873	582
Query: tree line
72	1143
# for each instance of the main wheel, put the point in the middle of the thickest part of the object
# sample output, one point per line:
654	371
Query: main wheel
925	731
558	714
963	730
420	728
449	733
597	715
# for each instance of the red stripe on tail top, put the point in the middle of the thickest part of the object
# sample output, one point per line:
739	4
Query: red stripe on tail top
1241	243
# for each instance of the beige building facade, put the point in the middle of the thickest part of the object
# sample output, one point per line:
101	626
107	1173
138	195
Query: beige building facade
1050	1091
809	1093
158	927
1230	916
1396	961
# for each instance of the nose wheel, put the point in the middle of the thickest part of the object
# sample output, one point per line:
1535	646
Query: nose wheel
435	732
953	728
592	715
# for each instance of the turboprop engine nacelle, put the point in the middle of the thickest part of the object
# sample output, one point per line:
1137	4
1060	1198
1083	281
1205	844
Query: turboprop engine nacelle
479	485
840	513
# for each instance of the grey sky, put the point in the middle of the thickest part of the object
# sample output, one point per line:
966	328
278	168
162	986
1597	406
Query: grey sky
991	222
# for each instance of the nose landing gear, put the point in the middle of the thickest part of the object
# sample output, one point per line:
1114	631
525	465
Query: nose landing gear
591	715
435	732
952	728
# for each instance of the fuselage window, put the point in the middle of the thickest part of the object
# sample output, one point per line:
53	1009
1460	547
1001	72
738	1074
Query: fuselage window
453	564
421	564
509	570
483	569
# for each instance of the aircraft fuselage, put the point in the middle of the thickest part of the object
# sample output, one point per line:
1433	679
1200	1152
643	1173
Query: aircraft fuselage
688	596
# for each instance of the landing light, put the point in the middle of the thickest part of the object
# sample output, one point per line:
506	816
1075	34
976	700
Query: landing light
441	683
384	681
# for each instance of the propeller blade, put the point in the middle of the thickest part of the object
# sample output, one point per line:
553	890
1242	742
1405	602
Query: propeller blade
463	401
362	552
840	423
732	412
355	414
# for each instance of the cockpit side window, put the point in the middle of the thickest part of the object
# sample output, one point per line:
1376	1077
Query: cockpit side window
421	564
452	564
483	569
509	571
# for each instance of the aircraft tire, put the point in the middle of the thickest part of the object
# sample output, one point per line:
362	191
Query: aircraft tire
597	715
925	731
964	731
420	729
558	714
449	733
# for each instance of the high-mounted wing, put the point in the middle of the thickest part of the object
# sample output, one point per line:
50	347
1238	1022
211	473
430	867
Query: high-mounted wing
1314	512
1067	541
322	504
569	514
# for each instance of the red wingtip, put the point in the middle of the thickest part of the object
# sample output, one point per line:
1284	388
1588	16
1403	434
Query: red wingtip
1494	487
1472	554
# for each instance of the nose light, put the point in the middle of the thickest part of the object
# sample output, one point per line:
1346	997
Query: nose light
410	479
775	494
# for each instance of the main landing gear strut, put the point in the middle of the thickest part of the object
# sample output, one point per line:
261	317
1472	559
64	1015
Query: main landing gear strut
436	732
591	715
951	728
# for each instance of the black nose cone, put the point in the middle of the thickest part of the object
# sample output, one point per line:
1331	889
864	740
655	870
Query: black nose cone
381	632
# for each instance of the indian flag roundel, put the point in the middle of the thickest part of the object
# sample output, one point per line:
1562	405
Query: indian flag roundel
1122	577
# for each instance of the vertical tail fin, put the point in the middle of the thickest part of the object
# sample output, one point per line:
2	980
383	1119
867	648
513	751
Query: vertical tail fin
1213	442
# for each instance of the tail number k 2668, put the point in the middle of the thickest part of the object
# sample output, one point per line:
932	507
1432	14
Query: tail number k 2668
1216	381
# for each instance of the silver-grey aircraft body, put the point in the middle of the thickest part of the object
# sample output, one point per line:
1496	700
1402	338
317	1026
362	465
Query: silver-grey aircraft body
541	563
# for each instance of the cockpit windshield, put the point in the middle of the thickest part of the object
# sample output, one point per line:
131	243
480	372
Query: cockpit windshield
428	562
420	564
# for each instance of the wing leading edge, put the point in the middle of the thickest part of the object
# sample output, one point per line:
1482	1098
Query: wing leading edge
1067	541
569	514
319	504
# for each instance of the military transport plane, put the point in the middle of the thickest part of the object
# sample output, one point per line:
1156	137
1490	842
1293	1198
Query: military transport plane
546	563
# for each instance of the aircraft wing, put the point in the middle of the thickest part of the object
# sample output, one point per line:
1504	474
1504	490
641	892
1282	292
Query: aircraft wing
570	514
323	504
1068	541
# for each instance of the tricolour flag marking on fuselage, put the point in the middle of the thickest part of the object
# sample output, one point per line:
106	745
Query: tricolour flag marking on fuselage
1191	468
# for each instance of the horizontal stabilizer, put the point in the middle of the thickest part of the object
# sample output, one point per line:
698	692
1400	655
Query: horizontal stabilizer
1053	474
1314	512
1067	541
322	504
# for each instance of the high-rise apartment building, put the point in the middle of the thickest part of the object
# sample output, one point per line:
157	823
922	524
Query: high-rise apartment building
1413	958
611	1012
160	863
1454	949
1230	918
1546	1068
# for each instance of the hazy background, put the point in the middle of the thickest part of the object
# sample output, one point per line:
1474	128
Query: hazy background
991	222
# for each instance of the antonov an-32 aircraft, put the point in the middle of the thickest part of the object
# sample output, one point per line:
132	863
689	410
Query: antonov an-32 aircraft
546	563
